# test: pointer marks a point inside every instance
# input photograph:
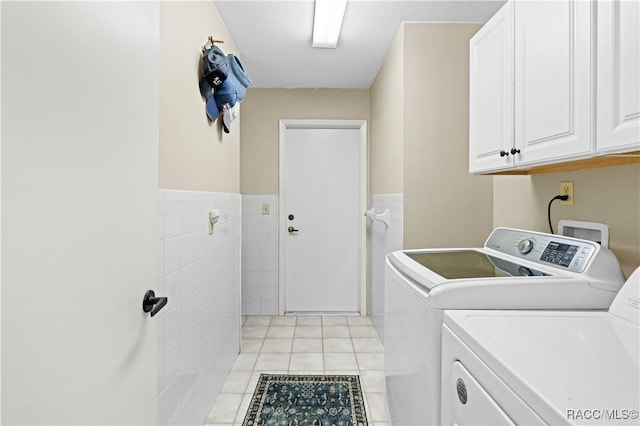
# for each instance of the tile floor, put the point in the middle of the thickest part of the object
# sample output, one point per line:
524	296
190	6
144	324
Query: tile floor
303	345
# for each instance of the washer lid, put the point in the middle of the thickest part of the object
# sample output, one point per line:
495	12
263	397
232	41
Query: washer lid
432	267
560	363
469	264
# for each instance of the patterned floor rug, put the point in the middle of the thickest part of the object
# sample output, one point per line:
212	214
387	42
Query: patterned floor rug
292	400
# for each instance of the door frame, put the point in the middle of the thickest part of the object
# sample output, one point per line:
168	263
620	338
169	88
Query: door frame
361	126
0	214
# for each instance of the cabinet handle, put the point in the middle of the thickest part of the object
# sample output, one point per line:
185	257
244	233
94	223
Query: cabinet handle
504	153
515	151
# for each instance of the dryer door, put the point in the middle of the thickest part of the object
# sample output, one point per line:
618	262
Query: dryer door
470	403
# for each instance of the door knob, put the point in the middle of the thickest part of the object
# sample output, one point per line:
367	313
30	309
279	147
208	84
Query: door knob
153	304
504	153
292	229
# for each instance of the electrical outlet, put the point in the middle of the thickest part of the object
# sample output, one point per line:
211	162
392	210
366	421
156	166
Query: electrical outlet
566	188
266	208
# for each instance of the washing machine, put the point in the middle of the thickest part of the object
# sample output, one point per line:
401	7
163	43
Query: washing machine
515	269
543	368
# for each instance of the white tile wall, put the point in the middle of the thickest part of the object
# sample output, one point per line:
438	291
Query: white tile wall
199	329
382	240
259	255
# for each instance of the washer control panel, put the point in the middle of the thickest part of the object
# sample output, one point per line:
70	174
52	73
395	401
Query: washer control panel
558	251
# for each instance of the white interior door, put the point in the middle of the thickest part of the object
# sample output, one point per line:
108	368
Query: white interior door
322	218
79	211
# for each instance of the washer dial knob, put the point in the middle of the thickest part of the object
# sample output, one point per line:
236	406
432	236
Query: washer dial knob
525	246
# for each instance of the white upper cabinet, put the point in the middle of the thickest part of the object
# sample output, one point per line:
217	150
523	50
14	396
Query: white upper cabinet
618	111
553	80
491	94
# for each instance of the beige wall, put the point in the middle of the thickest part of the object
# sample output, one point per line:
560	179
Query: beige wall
387	122
443	205
195	154
609	195
261	111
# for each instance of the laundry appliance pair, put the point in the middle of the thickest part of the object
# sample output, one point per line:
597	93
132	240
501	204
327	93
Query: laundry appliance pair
514	270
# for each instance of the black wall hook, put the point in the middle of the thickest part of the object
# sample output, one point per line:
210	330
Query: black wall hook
153	304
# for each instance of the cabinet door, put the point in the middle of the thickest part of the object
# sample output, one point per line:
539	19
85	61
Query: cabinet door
553	80
491	93
618	125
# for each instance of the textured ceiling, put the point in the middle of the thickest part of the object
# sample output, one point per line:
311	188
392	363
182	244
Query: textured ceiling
274	38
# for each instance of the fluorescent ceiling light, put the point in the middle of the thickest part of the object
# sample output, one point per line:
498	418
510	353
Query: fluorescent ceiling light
327	21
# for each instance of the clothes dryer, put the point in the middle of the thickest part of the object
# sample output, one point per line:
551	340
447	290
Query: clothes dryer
543	368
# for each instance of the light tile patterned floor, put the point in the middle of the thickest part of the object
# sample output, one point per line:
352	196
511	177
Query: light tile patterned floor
303	345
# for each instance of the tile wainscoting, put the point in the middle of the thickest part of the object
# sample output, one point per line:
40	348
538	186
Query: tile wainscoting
199	329
383	239
259	255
